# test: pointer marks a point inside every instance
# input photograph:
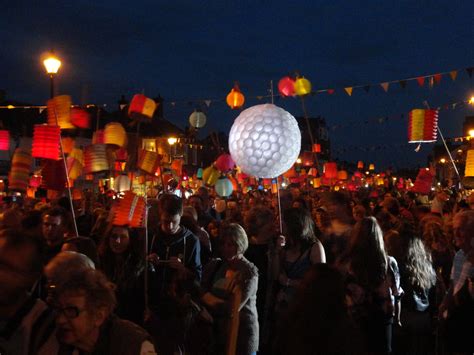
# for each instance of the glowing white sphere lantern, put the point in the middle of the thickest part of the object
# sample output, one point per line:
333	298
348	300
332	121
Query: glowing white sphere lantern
265	141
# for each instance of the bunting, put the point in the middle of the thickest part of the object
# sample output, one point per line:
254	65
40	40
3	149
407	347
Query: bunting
453	74
385	86
348	90
421	80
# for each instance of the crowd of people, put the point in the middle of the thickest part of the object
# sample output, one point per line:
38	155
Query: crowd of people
368	272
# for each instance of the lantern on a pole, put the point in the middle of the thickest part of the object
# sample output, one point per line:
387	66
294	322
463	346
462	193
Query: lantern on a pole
141	107
235	99
46	141
286	86
423	126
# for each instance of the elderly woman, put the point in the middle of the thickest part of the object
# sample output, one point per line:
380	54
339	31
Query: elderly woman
222	279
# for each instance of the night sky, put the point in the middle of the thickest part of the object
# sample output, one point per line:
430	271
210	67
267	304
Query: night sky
193	50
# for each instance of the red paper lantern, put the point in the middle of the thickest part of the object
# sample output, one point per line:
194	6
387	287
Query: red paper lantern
316	148
423	126
35	181
224	163
46	142
4	140
286	86
423	182
130	211
307	159
54	176
330	170
141	107
98	137
121	154
342	175
80	118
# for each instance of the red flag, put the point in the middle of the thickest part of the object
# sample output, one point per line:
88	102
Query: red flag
437	78
421	80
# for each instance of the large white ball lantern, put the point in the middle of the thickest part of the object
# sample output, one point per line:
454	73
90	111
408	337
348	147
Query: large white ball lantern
122	183
224	187
197	119
265	141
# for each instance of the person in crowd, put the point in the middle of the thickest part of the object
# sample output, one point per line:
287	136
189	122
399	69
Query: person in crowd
85	321
26	323
301	250
458	307
12	218
207	203
32	222
391	237
322	220
223	280
175	254
233	214
190	221
204	218
358	212
317	322
123	263
83	245
300	202
54	227
371	286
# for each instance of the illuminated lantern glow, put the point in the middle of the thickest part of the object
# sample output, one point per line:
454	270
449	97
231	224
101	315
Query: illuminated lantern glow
423	126
122	183
224	163
235	184
307	159
130	211
371	167
98	137
235	99
197	119
210	175
77	154
199	173
330	170
286	86
68	144
177	166
316	148
274	188
423	182
313	172
59	111
291	173
115	134
74	168
95	158
80	118
360	164
46	142
4	140
77	194
224	187
265	141
342	175
141	107
121	155
148	161
302	86
469	170
19	175
35	181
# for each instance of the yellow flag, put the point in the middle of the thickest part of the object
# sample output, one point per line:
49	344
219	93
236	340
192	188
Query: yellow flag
349	91
453	74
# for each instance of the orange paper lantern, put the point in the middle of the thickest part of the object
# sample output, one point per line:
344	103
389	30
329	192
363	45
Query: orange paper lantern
68	144
360	164
235	99
80	118
316	148
46	142
59	112
148	161
342	175
18	177
130	211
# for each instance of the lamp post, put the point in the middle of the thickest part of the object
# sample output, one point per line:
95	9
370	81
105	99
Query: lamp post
52	64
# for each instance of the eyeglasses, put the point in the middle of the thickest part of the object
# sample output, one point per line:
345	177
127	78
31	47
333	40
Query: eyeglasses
70	312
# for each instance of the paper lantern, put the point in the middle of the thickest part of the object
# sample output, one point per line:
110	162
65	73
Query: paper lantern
54	176
4	140
265	141
77	194
235	99
307	159
59	112
95	158
274	188
35	181
31	192
330	170
122	183
177	166
316	148
423	182
18	177
77	154
423	126
121	154
316	183
302	86
46	141
199	173
197	119
80	118
371	167
342	175
141	107
286	86
224	187
290	173
130	211
115	134
313	172
148	161
360	164
74	168
68	144
224	163
469	170
98	137
210	175
235	184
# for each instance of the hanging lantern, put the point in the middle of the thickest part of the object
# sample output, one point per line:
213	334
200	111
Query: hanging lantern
59	112
313	172
98	137
224	187
235	99
286	86
177	166
130	211
148	161
121	155
360	164
210	175
199	173
423	126
74	168
197	119
35	181
265	141
316	148
302	86
307	159
141	107
95	158
371	167
68	144
224	163
4	140
18	177
122	183
54	176
80	118
317	183
469	170
342	175
330	170
115	134
46	141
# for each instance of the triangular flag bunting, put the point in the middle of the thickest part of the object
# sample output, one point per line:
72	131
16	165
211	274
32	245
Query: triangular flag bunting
421	80
385	86
259	97
330	91
437	78
41	109
207	102
469	71
367	88
403	84
453	74
349	91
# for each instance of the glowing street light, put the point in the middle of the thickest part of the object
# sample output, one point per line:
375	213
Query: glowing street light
442	160
471	133
52	65
471	100
172	140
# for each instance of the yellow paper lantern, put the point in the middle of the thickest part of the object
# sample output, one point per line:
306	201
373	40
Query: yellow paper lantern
115	134
316	183
95	158
77	154
210	175
59	112
74	168
148	161
302	86
371	167
469	171
68	144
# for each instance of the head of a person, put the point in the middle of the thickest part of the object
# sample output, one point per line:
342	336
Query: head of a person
195	201
463	228
259	219
300	203
54	225
434	236
358	212
83	302
338	206
118	240
191	212
391	205
234	242
12	218
171	210
21	265
298	227
82	245
203	192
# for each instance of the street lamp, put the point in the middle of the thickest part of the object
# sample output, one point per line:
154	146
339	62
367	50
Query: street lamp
52	65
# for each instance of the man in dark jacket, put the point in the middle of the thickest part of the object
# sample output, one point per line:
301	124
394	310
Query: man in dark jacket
175	258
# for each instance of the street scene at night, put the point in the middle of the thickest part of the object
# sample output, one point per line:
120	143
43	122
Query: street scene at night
237	178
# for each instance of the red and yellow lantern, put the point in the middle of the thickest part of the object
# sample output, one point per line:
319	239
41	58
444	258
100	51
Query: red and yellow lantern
130	211
423	126
141	107
80	118
59	112
148	161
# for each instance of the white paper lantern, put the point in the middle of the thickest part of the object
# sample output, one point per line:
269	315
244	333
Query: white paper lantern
224	187
197	119
265	141
122	183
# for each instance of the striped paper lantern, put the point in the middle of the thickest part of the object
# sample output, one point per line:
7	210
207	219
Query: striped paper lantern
469	171
98	137
46	142
95	158
4	140
74	168
80	118
130	211
18	177
148	161
115	134
423	126
141	107
77	154
59	112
